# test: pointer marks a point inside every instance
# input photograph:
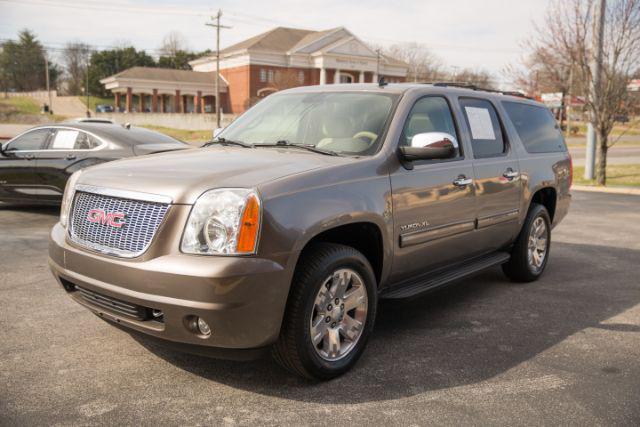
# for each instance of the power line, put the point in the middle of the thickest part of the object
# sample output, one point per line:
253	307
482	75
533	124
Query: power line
241	17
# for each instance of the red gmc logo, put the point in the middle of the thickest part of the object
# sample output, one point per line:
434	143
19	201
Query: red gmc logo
114	219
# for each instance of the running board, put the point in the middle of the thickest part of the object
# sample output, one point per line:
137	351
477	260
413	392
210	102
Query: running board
430	282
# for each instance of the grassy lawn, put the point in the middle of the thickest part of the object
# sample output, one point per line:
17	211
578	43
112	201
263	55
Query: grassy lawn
617	175
24	110
96	100
629	130
192	136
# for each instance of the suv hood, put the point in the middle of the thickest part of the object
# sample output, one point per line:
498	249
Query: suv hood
185	175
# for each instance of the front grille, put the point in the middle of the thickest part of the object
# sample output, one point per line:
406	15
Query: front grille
132	238
118	306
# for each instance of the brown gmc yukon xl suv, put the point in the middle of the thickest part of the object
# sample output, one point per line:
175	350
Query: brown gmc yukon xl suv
284	232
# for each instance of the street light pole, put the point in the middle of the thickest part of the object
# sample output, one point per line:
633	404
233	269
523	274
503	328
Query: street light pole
217	26
596	69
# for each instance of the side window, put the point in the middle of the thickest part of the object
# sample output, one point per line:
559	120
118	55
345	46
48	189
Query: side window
536	127
429	114
86	142
69	139
483	123
33	140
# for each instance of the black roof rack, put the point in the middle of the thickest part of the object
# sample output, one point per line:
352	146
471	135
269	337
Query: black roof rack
470	86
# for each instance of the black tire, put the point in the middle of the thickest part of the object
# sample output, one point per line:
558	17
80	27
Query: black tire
519	268
294	349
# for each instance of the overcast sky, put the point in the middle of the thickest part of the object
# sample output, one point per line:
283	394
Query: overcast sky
480	34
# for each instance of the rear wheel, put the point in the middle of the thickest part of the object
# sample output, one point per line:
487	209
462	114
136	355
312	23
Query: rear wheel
530	253
330	312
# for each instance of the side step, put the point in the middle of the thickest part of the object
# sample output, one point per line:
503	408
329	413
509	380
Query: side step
426	283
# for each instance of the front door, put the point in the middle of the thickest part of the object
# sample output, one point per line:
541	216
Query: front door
496	168
17	166
434	202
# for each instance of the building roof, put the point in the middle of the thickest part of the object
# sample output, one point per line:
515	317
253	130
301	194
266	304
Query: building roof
167	75
280	39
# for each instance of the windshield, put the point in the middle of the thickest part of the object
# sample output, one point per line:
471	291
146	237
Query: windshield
342	122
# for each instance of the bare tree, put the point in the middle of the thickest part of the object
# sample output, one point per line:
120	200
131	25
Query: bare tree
567	30
424	65
76	57
479	78
286	78
173	43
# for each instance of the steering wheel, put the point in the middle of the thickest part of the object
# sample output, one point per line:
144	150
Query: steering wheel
366	134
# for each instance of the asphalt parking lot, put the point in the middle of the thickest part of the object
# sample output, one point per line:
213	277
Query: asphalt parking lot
564	350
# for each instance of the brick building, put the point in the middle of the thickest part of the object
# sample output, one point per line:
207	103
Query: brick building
277	59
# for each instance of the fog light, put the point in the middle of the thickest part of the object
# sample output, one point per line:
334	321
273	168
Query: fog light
203	327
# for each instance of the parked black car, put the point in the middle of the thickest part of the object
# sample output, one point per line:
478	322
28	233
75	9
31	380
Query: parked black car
35	165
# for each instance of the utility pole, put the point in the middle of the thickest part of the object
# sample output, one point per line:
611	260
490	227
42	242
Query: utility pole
87	88
596	70
46	66
377	65
216	24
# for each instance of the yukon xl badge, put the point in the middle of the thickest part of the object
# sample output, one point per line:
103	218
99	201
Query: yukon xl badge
415	226
114	219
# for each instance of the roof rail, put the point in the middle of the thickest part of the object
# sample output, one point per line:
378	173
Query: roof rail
470	86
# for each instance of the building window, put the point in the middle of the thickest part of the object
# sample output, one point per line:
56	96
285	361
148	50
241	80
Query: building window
271	76
301	77
263	75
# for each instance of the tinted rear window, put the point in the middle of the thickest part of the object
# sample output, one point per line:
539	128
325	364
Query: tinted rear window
536	127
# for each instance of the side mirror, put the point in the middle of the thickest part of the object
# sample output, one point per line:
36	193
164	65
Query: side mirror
430	146
216	132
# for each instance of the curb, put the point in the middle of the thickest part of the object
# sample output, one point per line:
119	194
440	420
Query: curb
610	190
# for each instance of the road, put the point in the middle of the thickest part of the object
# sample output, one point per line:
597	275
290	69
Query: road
617	155
563	350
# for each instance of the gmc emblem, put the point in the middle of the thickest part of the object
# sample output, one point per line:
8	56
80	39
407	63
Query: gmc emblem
114	219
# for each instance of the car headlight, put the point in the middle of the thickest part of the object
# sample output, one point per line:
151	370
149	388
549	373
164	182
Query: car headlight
225	221
67	199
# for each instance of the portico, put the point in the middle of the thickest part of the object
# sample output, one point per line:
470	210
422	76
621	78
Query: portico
158	90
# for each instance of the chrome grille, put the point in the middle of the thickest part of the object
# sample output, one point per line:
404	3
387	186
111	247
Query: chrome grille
113	304
142	219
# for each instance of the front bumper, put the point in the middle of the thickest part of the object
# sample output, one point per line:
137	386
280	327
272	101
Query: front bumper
241	298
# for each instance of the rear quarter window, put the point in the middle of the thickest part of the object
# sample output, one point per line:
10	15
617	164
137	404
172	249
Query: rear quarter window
536	127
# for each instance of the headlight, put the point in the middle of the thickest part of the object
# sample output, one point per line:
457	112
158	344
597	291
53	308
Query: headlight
67	199
224	221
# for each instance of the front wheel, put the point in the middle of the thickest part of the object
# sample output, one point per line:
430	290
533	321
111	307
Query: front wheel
330	312
530	253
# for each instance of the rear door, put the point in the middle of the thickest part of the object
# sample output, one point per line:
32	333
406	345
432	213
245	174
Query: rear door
66	148
18	164
434	201
496	169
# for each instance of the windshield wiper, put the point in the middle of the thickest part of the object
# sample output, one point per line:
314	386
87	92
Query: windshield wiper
308	147
225	141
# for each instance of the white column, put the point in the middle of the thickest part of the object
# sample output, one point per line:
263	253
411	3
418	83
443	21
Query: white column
323	76
361	78
375	78
336	77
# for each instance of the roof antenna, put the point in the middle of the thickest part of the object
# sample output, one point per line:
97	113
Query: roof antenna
382	82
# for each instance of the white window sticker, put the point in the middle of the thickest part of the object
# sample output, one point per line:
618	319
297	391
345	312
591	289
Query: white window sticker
65	139
480	123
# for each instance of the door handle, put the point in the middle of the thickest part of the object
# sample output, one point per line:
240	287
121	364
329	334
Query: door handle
71	157
462	181
510	174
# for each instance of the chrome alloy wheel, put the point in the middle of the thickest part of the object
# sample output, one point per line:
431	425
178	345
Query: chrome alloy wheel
339	314
538	244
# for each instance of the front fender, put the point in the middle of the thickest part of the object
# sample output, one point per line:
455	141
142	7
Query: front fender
292	220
